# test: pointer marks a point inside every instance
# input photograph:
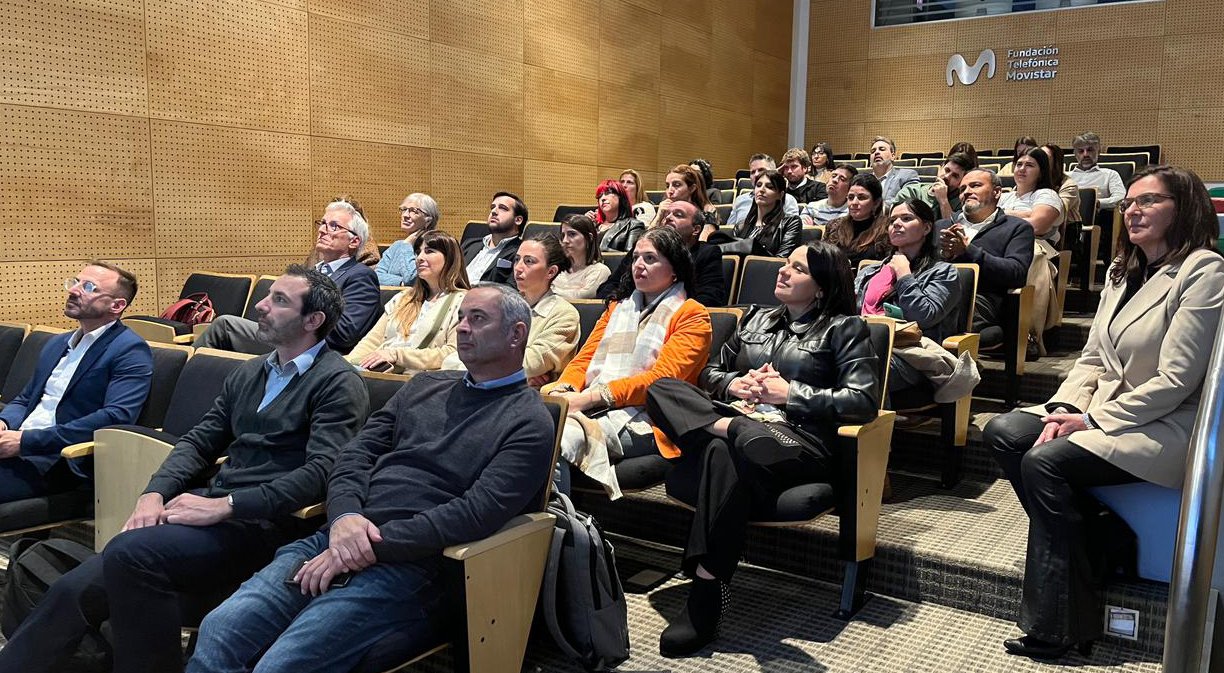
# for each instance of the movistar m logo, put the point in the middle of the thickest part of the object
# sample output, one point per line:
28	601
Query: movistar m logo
969	74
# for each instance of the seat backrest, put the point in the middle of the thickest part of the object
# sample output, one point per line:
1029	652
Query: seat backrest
724	210
168	363
25	361
198	386
558	409
927	171
809	234
262	287
728	194
386	292
922	155
743	183
1009	181
228	292
967	278
742	174
565	211
381	386
723	323
905	163
534	229
1152	152
881	330
589	311
730	270
612	258
931	161
655	196
1088	206
474	229
757	281
11	336
1140	159
724	183
1125	169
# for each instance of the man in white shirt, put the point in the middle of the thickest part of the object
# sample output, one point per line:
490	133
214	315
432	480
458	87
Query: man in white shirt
92	377
758	164
828	209
1087	174
491	259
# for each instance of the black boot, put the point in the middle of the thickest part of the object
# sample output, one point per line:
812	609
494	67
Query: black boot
697	625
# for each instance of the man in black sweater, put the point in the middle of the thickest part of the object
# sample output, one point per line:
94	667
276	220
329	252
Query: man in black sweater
281	420
450	459
684	217
1000	244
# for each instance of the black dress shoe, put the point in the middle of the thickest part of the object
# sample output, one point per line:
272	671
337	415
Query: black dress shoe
1035	648
697	625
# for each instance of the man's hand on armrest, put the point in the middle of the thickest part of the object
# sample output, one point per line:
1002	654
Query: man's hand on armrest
195	510
148	512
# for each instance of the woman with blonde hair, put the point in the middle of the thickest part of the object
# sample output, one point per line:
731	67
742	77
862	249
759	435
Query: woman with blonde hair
643	209
418	327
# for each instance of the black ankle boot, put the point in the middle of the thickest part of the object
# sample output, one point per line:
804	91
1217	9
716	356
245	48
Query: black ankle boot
697	625
1035	648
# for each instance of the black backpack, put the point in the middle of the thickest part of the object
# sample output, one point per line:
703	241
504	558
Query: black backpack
34	565
583	602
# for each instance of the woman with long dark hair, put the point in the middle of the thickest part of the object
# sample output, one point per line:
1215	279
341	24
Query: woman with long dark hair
771	230
685	183
651	329
586	270
862	233
1036	196
800	369
822	162
1124	414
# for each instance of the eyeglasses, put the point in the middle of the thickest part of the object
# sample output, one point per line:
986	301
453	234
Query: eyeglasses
87	286
1144	201
333	226
411	210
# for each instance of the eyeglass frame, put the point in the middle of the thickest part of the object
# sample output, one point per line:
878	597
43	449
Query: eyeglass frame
1152	199
332	227
412	210
88	287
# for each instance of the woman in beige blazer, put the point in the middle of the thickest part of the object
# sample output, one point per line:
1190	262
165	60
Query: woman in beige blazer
1124	413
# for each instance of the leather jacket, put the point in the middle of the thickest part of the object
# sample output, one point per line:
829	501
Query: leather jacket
622	235
780	237
829	363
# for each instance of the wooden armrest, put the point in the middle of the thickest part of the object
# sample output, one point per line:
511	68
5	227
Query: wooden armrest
198	330
80	450
963	343
518	527
184	339
310	511
856	431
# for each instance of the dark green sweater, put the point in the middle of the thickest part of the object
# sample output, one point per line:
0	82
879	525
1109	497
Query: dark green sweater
444	463
278	458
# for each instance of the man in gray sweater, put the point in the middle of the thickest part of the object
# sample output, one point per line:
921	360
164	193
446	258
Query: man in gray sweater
450	459
281	421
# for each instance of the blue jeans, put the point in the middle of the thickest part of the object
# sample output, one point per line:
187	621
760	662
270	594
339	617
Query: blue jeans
301	634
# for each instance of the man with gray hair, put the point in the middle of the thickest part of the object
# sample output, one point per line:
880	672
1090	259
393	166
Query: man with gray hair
340	234
1087	174
450	459
892	178
758	164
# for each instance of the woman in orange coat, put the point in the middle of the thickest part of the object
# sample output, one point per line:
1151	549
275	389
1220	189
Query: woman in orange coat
650	330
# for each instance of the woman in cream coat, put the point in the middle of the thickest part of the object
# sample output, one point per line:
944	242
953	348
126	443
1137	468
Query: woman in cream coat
1125	412
419	325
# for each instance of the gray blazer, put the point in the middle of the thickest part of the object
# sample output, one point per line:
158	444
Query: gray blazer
929	298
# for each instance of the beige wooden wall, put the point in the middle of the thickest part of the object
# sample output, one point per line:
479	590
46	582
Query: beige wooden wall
1139	73
173	135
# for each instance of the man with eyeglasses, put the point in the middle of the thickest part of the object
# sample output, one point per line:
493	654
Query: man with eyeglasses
95	376
491	259
758	164
1087	174
339	237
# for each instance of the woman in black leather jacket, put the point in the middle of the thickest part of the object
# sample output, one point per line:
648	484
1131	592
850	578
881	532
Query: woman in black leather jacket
770	229
765	419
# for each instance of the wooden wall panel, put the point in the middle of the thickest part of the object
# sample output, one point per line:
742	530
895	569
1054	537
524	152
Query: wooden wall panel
367	84
695	13
847	138
991	97
75	185
551	184
773	29
494	28
223	191
410	17
849	41
1116	127
653	6
770	87
33	292
171	273
731	77
734	134
628	128
230	63
1002	32
683	132
1193	75
994	132
901	88
906	41
476	102
1188	138
1122	67
1127	24
561	35
561	117
630	47
768	136
463	184
81	56
684	64
913	135
378	175
1192	16
736	23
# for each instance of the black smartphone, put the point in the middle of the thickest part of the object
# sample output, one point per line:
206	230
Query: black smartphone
337	582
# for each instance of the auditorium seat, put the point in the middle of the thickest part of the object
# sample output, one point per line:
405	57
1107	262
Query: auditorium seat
1152	151
863	452
11	337
757	279
655	196
730	272
921	156
228	293
534	229
387	292
589	311
474	229
263	285
724	184
24	361
564	211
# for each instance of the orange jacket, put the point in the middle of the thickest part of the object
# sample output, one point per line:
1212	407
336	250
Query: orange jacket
685	351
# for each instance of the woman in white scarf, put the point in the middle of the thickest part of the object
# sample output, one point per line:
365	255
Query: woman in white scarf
650	330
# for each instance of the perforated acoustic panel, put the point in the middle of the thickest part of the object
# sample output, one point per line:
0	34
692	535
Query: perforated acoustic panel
560	126
731	76
228	62
732	24
410	17
77	55
378	175
33	292
630	46
491	27
464	184
1116	127
768	135
551	184
695	13
172	272
368	84
225	191
734	146
75	184
628	128
683	131
1183	134
558	35
1192	16
476	102
770	87
686	53
1193	72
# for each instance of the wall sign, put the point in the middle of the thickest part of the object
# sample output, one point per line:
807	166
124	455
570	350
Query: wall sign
968	74
1023	65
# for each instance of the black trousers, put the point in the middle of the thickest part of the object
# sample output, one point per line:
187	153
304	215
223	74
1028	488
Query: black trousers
138	582
987	319
1069	530
748	469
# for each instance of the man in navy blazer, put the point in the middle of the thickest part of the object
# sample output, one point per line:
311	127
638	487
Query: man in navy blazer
491	259
340	235
95	376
